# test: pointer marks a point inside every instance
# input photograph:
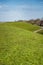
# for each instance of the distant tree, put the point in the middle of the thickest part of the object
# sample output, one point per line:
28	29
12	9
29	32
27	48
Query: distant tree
41	22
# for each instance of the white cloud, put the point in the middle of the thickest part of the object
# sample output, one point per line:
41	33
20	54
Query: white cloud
3	6
18	12
41	2
24	6
11	15
30	7
0	6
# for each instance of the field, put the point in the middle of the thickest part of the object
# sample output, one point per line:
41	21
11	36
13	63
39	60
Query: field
25	26
19	45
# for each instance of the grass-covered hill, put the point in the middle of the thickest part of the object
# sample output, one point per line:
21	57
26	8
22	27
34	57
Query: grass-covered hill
19	45
24	25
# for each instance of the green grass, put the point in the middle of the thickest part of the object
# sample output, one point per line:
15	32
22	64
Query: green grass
25	26
20	46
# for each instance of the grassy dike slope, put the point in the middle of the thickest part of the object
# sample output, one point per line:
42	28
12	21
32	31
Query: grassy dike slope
19	46
24	25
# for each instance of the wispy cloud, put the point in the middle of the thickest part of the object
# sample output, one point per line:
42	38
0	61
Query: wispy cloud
3	6
29	7
41	2
20	9
11	15
0	6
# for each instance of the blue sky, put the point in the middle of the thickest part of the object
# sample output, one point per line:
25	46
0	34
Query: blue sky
11	10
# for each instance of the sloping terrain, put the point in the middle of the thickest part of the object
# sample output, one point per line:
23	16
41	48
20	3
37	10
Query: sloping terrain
40	32
25	26
20	46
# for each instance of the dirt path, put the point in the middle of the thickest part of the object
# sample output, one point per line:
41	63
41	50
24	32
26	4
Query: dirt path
38	30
